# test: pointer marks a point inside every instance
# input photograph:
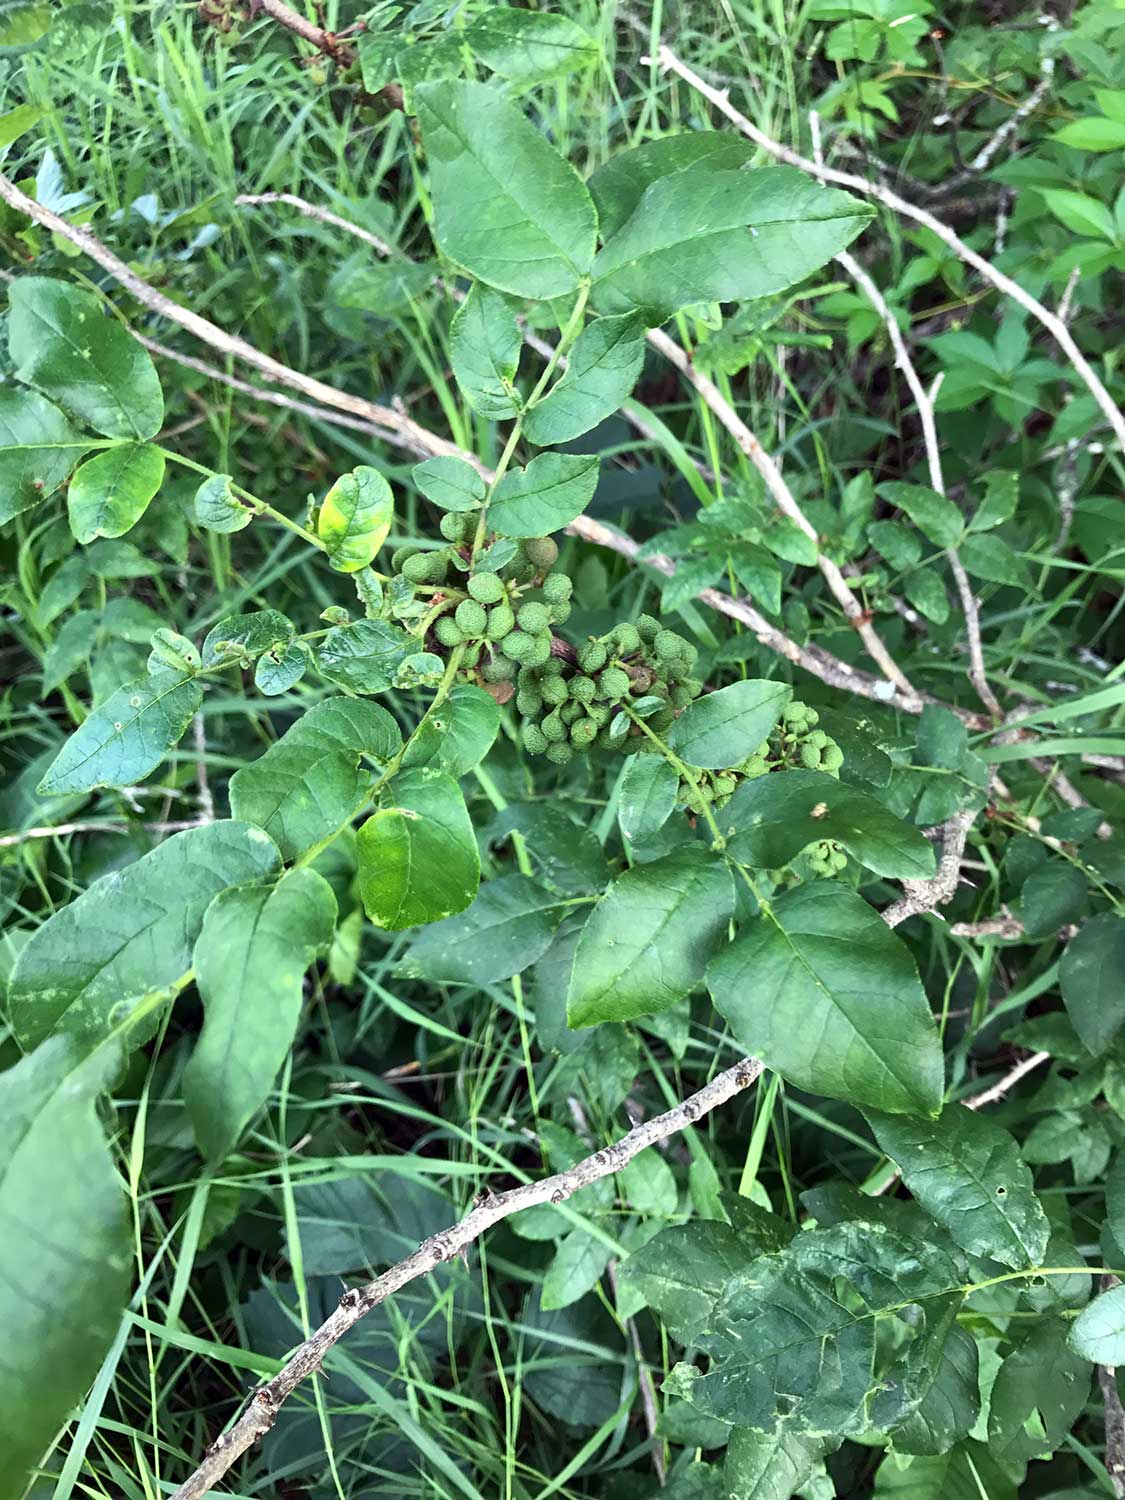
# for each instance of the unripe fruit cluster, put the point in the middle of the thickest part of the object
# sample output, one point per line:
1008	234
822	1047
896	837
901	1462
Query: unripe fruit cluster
827	858
569	708
795	741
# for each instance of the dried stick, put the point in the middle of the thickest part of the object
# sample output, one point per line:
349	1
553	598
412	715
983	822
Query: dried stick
316	36
1009	1081
1054	325
261	1412
785	502
312	211
983	158
393	423
925	895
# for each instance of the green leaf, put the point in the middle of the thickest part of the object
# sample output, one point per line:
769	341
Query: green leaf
547	495
925	591
648	940
450	482
458	734
576	1269
65	1250
934	515
246	635
1092	979
770	1466
991	557
967	1472
280	668
822	991
364	656
649	1185
1045	1380
1080	213
721	729
127	736
682	1271
1095	133
355	518
507	207
22	24
131	934
770	820
1001	499
896	542
950	1404
509	926
529	45
250	959
1098	1332
310	782
61	341
646	796
618	186
484	350
967	1172
602	369
217	508
111	491
797	1342
38	449
418	857
722	236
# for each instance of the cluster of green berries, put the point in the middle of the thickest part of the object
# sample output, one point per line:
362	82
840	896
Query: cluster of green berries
489	612
570	707
826	858
795	741
711	789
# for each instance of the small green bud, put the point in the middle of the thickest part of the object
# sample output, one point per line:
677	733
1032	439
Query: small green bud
553	727
557	589
448	632
810	757
543	551
811	717
724	784
754	767
592	657
794	713
831	758
533	618
471	618
817	738
486	588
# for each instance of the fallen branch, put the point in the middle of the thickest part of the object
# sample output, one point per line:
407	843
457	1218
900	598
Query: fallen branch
1008	1082
924	895
261	1411
324	41
1054	325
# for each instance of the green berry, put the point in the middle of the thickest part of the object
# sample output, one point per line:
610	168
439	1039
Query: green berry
543	551
486	588
499	669
557	589
454	526
794	713
663	719
501	622
521	571
399	556
518	645
571	711
667	645
811	716
534	740
724	785
553	727
832	757
554	690
628	639
471	618
472	655
528	702
613	684
583	732
560	752
810	757
648	628
601	713
553	667
448	632
582	688
533	618
592	657
559	613
754	767
420	568
539	653
680	697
